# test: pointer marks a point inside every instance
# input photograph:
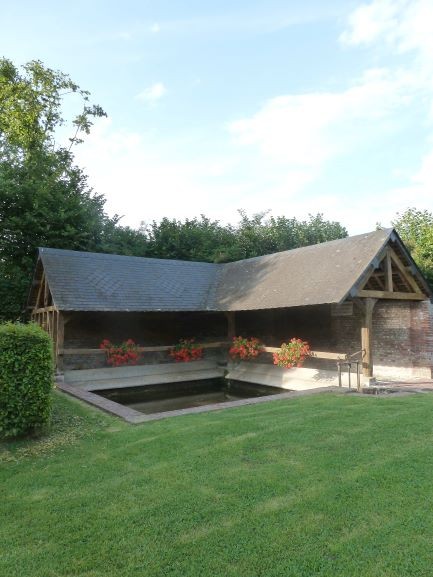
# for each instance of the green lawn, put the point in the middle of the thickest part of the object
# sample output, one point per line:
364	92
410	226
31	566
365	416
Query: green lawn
329	485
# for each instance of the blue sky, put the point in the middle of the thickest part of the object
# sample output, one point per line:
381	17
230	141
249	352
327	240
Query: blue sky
292	107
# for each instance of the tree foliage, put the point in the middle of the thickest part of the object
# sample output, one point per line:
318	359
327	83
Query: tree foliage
202	239
31	106
44	198
416	230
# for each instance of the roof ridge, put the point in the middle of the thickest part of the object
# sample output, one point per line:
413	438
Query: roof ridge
312	246
71	252
89	254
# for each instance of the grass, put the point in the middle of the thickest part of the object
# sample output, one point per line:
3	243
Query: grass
329	485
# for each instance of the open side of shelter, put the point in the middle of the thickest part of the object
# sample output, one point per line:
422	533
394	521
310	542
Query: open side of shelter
359	297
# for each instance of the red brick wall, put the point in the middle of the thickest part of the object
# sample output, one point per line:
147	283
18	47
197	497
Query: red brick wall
402	337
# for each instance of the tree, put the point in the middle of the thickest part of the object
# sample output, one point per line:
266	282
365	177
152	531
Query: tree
31	107
44	198
202	239
258	235
198	239
416	230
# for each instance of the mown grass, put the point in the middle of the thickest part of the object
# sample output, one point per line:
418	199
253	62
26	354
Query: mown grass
327	485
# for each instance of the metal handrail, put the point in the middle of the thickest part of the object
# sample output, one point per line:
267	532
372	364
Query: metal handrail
361	352
349	364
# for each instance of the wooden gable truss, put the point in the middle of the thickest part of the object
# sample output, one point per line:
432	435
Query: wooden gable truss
45	313
391	279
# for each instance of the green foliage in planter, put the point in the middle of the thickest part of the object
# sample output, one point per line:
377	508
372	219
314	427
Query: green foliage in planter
26	379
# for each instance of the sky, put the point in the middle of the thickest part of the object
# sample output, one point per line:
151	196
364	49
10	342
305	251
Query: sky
292	107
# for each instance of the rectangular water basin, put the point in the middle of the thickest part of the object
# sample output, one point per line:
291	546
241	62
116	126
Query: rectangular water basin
149	399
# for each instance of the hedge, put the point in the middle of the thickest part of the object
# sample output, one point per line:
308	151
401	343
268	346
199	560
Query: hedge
26	379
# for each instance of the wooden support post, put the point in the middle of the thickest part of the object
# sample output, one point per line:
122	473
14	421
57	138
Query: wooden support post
231	324
366	338
55	331
388	277
60	341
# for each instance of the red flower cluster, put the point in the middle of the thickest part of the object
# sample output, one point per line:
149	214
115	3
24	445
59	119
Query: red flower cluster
186	351
292	354
124	354
245	348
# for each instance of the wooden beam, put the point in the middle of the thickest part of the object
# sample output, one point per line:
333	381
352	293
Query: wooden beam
156	349
406	275
45	293
231	324
366	338
378	277
325	355
60	331
388	277
220	344
271	349
315	354
390	295
55	333
45	309
41	286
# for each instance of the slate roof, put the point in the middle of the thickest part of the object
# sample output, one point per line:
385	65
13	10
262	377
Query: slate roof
85	281
317	274
311	275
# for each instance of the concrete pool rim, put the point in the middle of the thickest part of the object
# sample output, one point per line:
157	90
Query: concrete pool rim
135	417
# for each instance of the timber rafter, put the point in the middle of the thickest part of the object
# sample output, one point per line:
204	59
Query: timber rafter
390	279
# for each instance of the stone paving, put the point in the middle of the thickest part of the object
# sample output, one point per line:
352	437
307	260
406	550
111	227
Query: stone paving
412	384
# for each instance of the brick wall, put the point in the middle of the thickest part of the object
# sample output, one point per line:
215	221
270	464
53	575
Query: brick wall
402	333
402	337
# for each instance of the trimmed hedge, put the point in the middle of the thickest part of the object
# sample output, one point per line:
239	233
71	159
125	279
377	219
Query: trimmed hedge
26	379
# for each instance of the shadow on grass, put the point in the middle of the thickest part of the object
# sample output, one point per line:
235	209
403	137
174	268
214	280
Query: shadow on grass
70	422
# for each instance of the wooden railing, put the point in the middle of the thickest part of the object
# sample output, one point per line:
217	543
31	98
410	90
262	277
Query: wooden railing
155	349
314	354
215	345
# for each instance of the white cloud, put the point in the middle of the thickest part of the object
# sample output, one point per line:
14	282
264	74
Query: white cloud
402	25
153	93
304	131
155	28
141	181
373	21
419	190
